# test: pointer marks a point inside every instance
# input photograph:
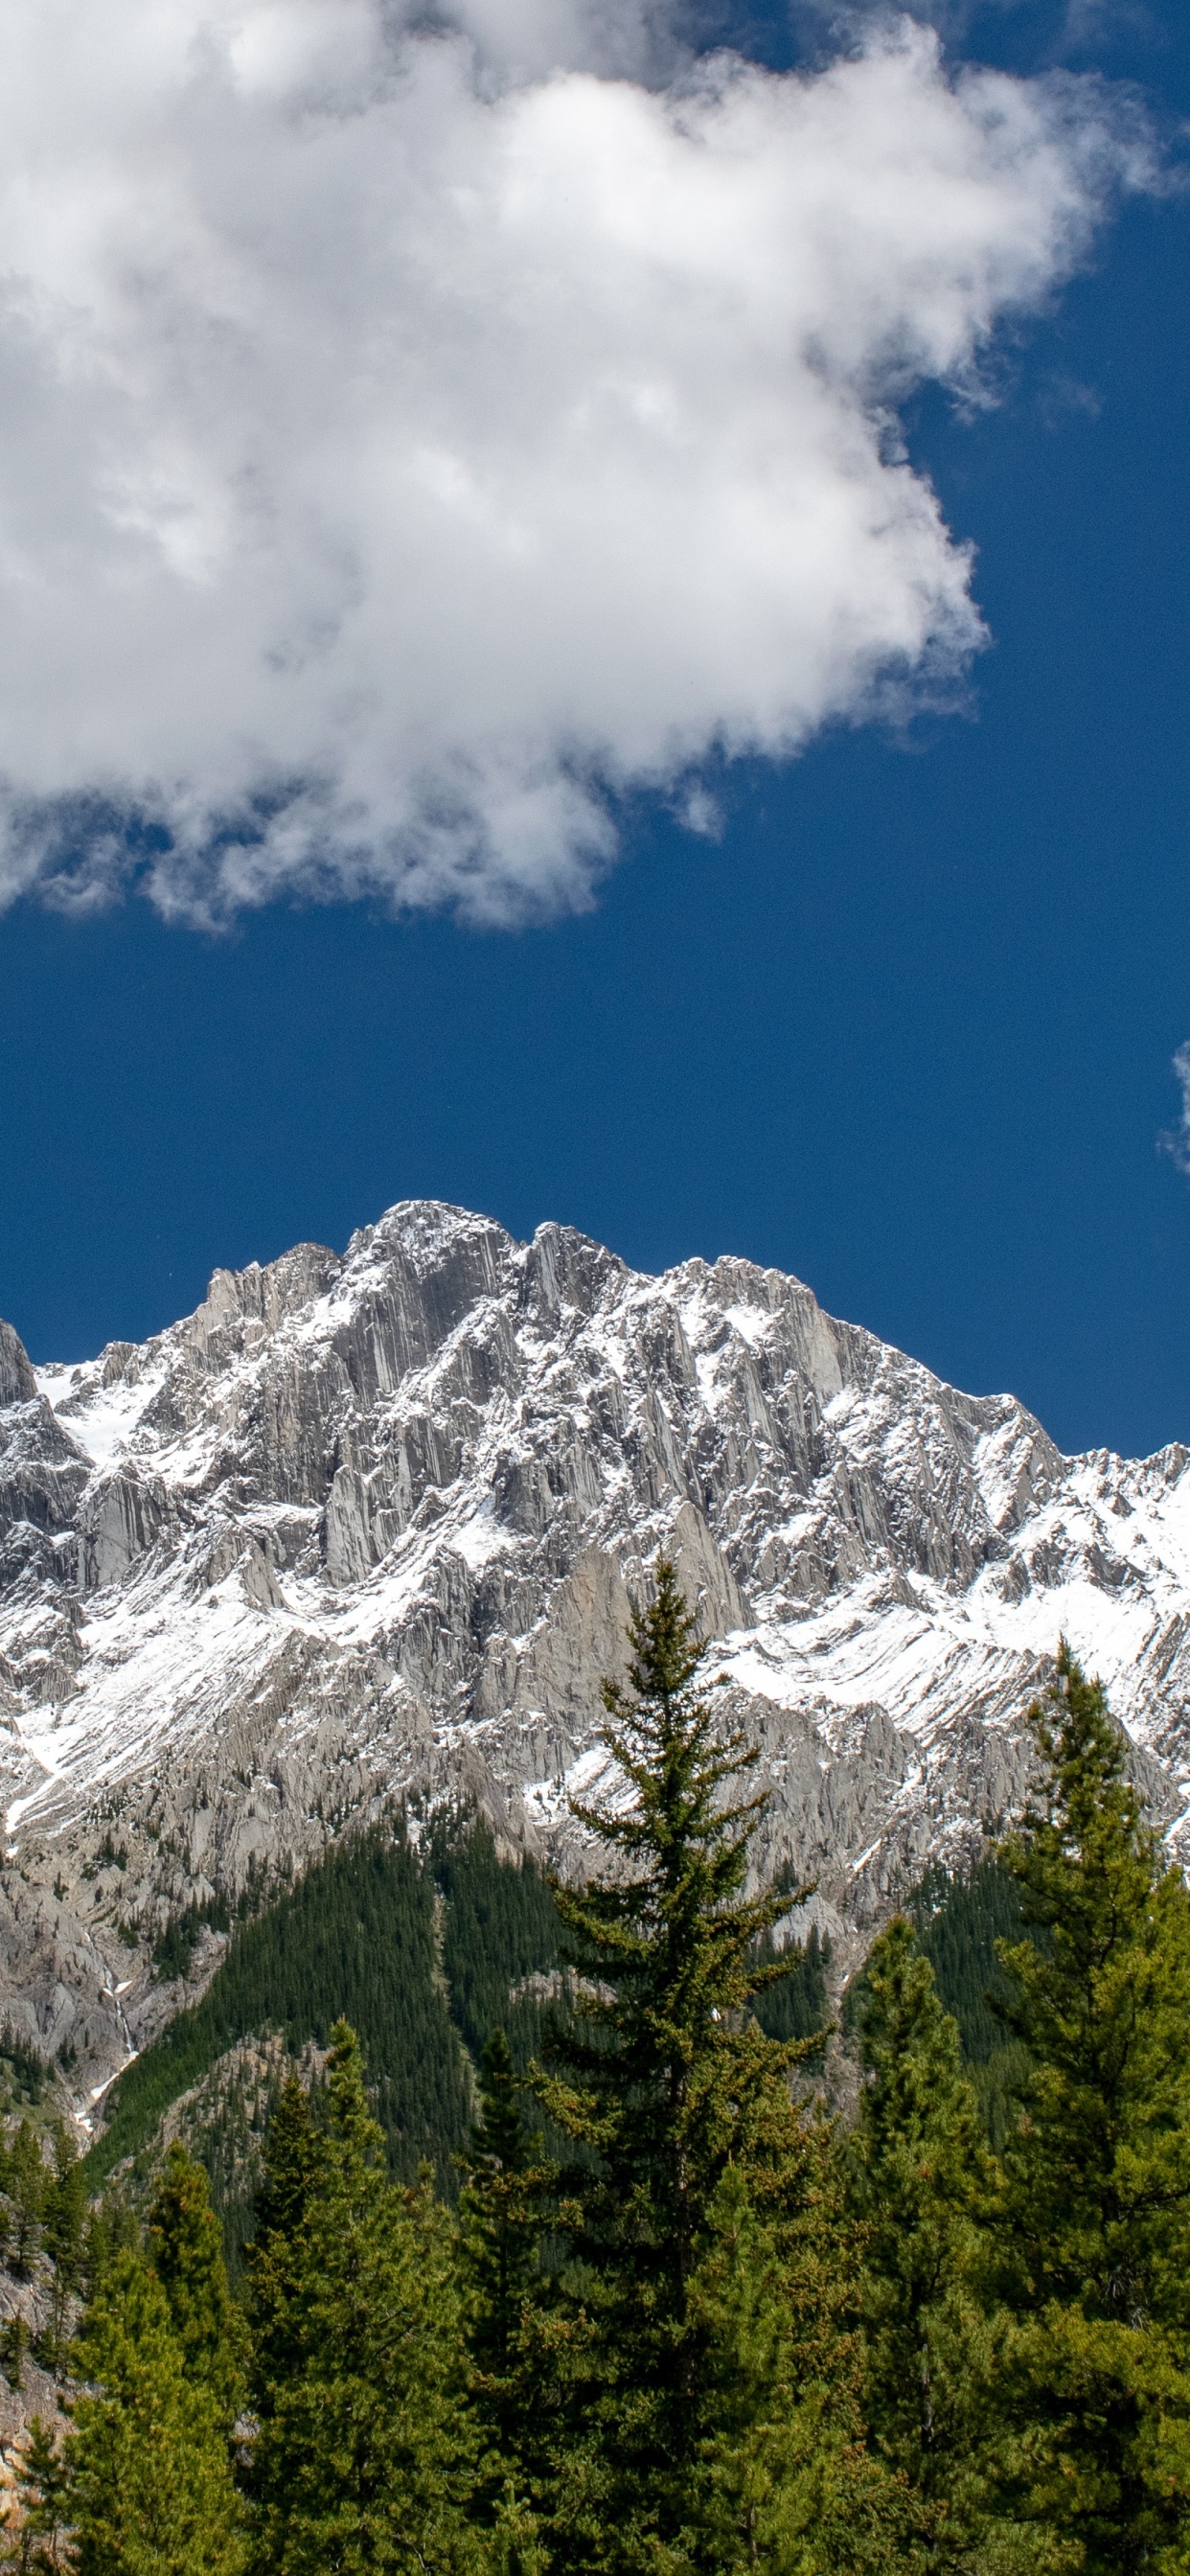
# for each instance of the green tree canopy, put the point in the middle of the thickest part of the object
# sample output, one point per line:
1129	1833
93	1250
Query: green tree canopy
923	2188
147	2487
666	2086
500	2217
1095	2245
185	2247
365	2450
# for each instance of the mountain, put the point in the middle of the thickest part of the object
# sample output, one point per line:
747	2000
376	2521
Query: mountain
366	1527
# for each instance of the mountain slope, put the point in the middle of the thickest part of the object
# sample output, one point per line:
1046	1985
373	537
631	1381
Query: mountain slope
366	1526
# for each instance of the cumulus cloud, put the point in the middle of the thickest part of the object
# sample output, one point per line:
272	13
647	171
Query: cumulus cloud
413	438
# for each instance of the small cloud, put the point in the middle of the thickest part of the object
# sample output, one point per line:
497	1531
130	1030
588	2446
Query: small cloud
699	811
1092	25
1061	395
1176	1140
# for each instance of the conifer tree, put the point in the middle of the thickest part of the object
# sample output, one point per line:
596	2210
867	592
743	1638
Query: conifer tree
27	2187
16	2345
291	2162
146	2484
664	2082
111	2229
65	2236
783	2480
515	2547
365	2450
500	2215
185	2248
34	2528
922	2185
1096	2237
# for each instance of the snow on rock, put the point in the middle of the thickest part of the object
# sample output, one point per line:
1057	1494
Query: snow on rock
367	1526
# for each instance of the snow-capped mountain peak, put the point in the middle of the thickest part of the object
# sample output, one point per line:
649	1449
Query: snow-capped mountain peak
368	1524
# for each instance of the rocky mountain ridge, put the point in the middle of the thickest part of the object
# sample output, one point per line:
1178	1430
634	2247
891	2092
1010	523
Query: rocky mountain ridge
366	1526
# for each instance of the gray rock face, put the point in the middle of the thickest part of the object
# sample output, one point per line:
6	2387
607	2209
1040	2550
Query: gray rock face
18	1384
368	1526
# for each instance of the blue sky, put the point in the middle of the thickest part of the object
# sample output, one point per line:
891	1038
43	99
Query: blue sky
905	1027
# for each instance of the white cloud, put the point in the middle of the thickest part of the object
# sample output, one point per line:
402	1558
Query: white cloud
1176	1140
410	441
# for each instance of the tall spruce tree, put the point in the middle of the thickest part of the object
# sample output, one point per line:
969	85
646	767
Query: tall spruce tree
1096	2236
665	2084
275	2256
923	2187
291	2158
146	2484
65	2229
185	2247
364	2457
505	2175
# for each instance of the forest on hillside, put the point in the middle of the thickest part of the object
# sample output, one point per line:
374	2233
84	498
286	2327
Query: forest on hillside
425	1943
610	2287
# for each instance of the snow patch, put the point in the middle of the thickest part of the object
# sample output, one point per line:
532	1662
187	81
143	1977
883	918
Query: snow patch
101	1419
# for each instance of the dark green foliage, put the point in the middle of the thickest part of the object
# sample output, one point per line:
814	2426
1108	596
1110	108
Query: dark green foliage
782	2480
922	2185
27	2184
226	2126
797	2007
653	2072
24	2072
185	2249
502	2150
958	1921
364	2456
112	2229
64	2232
1095	2244
291	2165
682	2105
146	2486
15	2347
507	2178
959	1918
291	2162
277	2261
501	1926
357	1936
174	1948
714	2334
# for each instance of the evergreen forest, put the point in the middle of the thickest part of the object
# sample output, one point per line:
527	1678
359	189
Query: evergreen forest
565	2254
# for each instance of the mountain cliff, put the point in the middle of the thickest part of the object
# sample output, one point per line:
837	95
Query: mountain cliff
366	1527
